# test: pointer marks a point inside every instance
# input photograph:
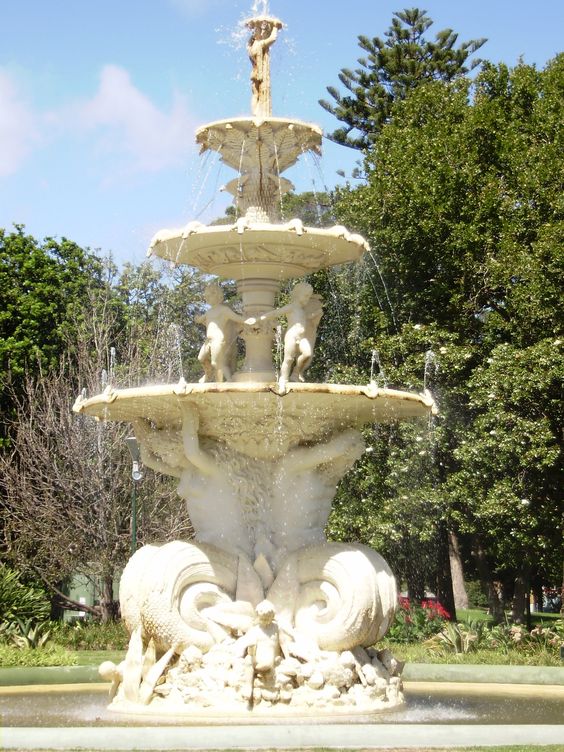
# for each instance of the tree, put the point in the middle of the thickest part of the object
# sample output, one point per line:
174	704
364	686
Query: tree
463	211
65	483
42	286
391	69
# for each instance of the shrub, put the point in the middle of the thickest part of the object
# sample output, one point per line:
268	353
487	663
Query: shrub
91	635
476	597
501	639
51	655
414	623
457	638
26	633
19	600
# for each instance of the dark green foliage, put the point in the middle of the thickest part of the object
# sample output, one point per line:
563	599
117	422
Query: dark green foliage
20	600
392	68
42	289
463	210
476	598
91	635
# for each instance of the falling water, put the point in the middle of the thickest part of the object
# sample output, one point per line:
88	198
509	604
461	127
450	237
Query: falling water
305	155
430	370
240	176
175	368
280	194
209	160
385	286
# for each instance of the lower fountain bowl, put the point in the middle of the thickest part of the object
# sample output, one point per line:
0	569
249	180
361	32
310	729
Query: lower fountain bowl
302	414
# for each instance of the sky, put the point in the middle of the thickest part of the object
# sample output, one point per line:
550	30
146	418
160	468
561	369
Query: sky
99	101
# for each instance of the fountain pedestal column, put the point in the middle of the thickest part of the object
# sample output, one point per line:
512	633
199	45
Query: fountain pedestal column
257	296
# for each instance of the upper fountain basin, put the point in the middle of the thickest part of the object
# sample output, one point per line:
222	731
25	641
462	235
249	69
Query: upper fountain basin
245	143
254	418
246	250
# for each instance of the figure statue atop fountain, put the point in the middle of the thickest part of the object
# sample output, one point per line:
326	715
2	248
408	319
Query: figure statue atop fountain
217	354
303	321
264	34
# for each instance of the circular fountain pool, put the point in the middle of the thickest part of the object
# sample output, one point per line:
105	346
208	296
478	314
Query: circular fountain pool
425	703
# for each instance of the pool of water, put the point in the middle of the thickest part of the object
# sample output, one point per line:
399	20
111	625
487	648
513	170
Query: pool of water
83	706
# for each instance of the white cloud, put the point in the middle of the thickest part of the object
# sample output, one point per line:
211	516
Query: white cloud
17	127
133	125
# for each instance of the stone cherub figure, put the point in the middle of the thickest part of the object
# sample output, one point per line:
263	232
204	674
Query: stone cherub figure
264	34
217	354
303	314
261	646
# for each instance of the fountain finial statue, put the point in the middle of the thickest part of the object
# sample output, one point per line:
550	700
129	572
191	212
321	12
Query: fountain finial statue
264	33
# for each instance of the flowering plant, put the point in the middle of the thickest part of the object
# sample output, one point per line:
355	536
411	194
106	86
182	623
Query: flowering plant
415	622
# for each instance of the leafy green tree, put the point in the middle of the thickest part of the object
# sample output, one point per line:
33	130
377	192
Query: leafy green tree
390	70
314	209
463	210
42	287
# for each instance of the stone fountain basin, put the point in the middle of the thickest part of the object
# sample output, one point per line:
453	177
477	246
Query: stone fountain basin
256	419
248	250
446	704
244	142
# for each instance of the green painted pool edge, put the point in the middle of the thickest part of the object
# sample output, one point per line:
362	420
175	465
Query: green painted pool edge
413	672
483	673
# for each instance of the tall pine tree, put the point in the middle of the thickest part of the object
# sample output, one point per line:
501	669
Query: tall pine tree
391	68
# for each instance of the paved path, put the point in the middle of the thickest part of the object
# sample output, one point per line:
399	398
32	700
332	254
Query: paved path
280	736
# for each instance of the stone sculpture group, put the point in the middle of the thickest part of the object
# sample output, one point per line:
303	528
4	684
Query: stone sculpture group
258	612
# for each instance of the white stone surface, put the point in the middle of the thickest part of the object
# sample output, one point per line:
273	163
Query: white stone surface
306	414
226	640
259	611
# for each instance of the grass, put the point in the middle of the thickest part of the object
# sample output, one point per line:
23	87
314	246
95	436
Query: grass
467	615
418	653
95	657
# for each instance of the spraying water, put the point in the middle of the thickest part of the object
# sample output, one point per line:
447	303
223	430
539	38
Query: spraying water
430	370
112	365
381	375
260	8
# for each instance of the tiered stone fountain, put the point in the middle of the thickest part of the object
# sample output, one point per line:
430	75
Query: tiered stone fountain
259	613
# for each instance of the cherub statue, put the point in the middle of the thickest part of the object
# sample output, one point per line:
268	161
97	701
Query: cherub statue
218	352
261	646
264	34
303	315
314	312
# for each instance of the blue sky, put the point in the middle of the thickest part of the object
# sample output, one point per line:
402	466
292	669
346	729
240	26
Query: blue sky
99	100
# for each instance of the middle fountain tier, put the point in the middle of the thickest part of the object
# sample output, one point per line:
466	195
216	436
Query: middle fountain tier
259	613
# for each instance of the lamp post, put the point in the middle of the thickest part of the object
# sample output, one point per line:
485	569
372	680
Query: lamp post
136	474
